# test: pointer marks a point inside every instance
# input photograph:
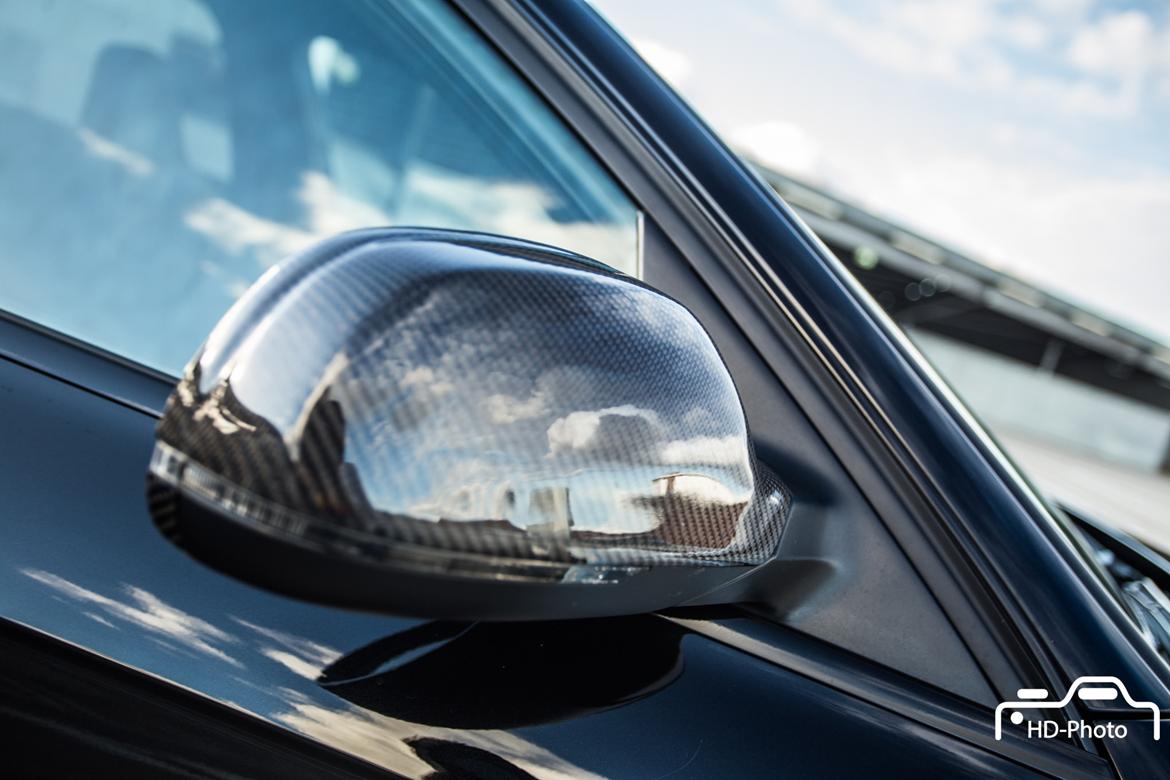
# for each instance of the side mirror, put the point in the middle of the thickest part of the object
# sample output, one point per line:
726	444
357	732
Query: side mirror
455	425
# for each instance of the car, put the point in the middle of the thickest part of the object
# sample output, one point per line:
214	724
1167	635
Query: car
742	528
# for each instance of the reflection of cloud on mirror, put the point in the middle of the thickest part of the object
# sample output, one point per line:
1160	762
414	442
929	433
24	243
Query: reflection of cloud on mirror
144	609
504	409
384	741
713	450
424	376
611	433
537	414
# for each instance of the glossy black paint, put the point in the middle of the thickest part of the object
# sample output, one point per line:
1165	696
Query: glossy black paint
724	695
58	699
102	579
510	675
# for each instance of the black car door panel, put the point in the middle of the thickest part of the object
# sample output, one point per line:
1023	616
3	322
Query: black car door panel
82	563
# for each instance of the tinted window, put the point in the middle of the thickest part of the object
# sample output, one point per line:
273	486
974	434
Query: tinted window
156	157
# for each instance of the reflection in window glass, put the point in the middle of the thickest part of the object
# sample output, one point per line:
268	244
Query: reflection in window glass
158	157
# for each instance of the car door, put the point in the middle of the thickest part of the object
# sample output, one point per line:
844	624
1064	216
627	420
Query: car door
165	156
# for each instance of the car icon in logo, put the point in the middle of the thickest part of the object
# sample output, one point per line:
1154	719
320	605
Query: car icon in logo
1083	688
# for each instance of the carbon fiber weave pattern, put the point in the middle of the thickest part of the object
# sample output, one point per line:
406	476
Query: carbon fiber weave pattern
460	393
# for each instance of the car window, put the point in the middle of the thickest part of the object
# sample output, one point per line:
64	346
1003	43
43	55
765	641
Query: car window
159	156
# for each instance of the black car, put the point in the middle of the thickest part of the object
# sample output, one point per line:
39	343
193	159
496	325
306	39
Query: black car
560	447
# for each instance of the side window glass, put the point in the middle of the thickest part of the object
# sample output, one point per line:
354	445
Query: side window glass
158	157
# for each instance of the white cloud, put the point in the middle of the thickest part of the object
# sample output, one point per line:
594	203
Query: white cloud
1026	32
1027	137
423	378
504	409
945	25
1091	67
439	198
134	164
583	430
781	145
1122	45
301	653
1063	9
707	450
1128	51
927	37
671	64
293	662
99	619
142	608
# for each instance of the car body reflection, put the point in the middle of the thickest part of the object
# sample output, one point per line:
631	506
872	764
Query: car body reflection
509	675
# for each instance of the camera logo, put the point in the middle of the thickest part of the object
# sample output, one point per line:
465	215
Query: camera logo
1083	688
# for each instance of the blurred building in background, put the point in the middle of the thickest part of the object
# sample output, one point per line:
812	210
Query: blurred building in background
1081	401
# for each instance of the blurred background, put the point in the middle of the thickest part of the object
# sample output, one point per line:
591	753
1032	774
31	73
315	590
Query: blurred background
997	175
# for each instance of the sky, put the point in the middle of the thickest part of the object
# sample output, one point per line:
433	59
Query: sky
1032	135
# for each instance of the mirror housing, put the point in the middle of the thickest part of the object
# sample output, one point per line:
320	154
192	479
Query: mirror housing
457	425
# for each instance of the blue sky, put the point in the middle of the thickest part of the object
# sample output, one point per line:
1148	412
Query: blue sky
1033	135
